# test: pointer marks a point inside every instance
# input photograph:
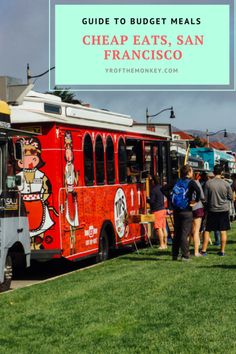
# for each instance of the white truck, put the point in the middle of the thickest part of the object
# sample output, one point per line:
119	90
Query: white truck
14	231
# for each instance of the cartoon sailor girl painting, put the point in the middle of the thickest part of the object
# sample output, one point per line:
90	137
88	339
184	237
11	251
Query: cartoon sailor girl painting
35	189
71	180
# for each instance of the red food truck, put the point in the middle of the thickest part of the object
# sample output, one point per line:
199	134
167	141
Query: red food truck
83	176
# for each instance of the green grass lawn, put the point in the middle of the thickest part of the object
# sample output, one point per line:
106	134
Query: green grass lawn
138	303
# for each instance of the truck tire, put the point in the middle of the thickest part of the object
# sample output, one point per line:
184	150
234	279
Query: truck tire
7	275
103	252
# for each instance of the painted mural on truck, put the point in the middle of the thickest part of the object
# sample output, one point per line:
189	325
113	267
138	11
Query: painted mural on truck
120	214
35	188
70	182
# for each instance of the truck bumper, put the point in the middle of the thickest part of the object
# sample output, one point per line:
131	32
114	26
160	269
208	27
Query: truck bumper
45	255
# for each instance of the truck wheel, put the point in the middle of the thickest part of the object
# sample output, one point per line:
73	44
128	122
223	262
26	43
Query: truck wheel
7	275
103	252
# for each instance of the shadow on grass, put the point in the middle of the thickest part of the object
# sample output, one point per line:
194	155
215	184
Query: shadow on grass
42	271
143	257
231	242
139	259
222	266
153	252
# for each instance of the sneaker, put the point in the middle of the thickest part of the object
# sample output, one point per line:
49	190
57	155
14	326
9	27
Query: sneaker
185	259
198	255
221	254
203	253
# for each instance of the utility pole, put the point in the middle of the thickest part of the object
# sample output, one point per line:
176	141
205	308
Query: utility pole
28	74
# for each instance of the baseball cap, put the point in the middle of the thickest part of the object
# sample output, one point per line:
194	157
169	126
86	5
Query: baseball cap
210	174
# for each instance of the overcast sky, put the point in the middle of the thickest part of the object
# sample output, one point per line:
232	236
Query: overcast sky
24	39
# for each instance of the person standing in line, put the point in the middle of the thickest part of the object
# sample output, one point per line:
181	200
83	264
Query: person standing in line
198	214
185	194
203	179
233	176
218	193
156	202
216	233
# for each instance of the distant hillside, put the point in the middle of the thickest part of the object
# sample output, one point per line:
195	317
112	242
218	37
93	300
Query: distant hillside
230	141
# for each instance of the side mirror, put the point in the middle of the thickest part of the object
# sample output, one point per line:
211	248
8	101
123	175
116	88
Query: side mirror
18	180
18	151
11	182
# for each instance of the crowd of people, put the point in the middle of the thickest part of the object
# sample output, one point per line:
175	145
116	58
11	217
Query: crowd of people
200	204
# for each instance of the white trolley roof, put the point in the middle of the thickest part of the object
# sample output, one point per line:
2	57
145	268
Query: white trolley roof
32	110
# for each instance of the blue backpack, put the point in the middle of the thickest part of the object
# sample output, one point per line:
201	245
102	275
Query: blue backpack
179	196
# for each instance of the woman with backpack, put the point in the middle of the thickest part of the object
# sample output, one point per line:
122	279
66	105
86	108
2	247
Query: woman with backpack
185	195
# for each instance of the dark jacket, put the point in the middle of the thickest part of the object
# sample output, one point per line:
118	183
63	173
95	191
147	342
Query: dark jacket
156	199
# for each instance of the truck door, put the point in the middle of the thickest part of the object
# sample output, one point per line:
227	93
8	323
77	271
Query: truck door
71	205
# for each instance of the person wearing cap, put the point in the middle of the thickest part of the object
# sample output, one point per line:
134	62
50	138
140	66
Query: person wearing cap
218	193
210	175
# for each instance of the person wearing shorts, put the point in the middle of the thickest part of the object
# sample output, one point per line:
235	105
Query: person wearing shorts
217	221
158	209
218	195
160	219
198	214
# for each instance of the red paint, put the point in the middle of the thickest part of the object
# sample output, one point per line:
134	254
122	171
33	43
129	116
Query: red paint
89	207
